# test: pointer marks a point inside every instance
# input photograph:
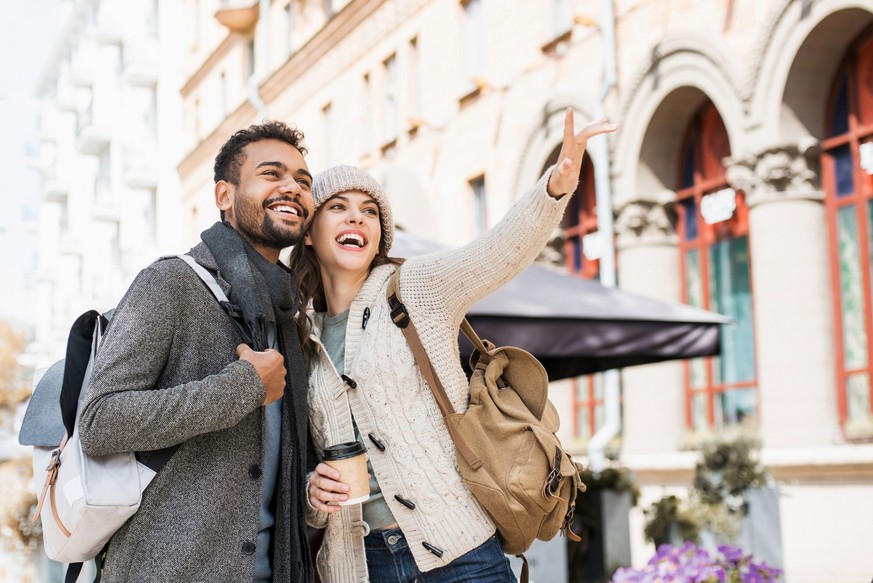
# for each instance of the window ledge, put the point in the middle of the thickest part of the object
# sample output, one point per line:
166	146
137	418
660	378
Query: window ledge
388	148
558	45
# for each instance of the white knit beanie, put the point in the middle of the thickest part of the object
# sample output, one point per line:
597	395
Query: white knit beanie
339	179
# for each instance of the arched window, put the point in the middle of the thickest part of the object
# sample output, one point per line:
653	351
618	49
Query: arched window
847	165
714	247
581	254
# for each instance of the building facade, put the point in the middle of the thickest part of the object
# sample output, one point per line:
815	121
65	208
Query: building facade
740	182
109	96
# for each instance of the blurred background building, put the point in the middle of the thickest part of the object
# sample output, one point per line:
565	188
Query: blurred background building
740	182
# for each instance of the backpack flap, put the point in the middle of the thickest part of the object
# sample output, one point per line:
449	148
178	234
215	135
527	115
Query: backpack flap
527	376
43	425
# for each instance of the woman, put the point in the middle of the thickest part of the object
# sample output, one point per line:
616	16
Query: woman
421	522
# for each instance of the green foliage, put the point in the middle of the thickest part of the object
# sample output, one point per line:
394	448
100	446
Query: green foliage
667	514
616	478
727	468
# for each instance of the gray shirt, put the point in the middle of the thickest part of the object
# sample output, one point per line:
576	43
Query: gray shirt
333	335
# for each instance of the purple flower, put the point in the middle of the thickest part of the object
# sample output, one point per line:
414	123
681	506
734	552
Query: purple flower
690	564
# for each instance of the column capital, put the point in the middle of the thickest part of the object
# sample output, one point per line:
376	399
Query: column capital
645	223
778	173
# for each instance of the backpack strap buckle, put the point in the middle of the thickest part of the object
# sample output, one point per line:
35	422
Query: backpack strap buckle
399	314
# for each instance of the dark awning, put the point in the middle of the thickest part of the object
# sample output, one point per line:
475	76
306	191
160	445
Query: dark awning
576	326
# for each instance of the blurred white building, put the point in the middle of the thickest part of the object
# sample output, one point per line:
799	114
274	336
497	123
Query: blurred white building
110	192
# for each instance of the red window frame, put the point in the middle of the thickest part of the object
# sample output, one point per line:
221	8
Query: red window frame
856	71
707	135
580	220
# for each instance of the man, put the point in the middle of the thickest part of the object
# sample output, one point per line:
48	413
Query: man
176	381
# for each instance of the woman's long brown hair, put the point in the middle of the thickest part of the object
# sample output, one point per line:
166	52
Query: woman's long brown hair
310	289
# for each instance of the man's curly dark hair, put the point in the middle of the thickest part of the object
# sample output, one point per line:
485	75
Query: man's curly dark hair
231	156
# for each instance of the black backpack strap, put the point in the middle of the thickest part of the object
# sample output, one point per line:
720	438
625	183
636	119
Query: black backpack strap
85	335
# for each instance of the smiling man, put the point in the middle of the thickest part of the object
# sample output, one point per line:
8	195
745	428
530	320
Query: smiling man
218	404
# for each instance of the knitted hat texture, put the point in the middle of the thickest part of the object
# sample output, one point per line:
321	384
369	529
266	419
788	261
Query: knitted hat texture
339	179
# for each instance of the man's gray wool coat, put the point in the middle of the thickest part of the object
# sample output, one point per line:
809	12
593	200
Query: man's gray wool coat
168	374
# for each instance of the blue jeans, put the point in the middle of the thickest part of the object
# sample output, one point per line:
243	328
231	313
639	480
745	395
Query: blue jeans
389	560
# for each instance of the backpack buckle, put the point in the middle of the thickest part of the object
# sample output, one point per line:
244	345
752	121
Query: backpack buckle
400	316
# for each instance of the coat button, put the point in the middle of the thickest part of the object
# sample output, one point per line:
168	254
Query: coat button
248	548
255	472
432	548
376	441
406	502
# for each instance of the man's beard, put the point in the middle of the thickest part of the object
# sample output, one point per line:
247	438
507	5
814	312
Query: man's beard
267	232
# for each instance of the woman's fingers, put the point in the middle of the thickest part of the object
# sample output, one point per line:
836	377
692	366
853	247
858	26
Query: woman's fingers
566	173
595	128
325	490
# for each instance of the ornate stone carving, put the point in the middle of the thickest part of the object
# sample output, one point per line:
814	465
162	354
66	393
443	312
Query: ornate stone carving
645	222
787	172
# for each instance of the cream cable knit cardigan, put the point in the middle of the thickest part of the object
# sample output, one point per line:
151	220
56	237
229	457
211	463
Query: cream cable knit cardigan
393	403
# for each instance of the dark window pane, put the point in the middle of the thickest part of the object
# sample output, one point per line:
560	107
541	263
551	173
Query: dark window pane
845	169
840	116
576	245
688	166
689	218
730	294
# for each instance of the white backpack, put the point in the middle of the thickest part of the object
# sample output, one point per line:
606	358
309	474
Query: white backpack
84	499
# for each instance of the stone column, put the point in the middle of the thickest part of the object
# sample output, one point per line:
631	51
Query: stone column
792	296
648	265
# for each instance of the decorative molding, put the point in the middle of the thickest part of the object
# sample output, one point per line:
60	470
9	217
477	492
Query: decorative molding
336	47
645	223
786	172
672	46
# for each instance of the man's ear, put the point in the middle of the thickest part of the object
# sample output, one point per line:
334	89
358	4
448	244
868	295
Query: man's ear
223	196
307	240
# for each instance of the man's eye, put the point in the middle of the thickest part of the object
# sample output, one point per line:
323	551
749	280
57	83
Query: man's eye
305	183
272	173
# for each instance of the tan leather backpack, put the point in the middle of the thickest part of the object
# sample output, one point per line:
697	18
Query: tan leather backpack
507	450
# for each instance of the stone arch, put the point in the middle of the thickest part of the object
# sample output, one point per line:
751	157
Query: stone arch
683	73
801	50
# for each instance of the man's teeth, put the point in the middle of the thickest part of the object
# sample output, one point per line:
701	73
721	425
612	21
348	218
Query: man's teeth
351	239
285	209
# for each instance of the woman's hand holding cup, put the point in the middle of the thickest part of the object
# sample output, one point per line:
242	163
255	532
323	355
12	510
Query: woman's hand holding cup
325	489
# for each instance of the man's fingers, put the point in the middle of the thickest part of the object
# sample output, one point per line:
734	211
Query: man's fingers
240	350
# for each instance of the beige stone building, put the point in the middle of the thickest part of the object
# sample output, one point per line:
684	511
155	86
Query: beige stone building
740	182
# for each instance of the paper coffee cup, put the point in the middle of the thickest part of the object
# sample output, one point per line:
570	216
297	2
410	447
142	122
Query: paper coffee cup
350	460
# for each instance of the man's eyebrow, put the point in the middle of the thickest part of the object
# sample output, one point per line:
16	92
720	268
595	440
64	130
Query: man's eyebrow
272	163
305	173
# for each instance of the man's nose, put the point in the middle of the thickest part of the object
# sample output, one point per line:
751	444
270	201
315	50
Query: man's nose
290	186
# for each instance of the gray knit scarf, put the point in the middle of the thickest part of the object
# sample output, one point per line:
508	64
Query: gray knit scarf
266	294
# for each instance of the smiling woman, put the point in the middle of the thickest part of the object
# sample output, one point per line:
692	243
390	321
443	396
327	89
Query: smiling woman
364	385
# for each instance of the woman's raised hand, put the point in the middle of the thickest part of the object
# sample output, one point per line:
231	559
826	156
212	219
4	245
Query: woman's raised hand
566	173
